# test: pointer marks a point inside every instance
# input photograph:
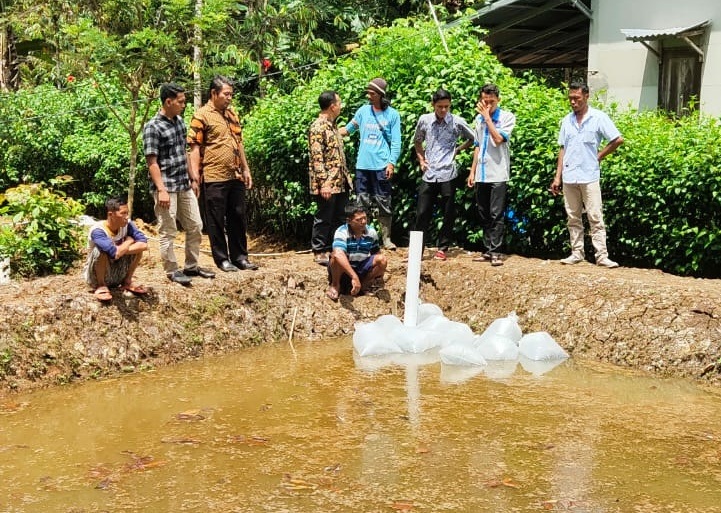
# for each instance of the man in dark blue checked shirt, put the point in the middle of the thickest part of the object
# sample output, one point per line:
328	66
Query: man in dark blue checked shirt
173	186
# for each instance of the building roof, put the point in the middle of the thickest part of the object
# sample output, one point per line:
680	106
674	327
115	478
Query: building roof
537	33
655	34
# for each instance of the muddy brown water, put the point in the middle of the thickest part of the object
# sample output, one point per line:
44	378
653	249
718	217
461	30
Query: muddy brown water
272	430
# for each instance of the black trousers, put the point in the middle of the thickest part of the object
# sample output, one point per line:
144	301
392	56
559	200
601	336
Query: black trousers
491	202
428	193
226	220
329	215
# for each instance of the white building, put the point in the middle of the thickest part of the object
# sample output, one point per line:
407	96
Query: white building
638	53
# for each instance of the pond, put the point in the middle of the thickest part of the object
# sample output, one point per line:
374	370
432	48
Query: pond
309	429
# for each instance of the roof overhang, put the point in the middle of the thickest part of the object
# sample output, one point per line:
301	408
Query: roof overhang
644	36
537	33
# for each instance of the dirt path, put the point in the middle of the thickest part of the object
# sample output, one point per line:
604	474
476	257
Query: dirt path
54	331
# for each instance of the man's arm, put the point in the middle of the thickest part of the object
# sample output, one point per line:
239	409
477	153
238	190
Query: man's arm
341	258
556	183
610	148
157	178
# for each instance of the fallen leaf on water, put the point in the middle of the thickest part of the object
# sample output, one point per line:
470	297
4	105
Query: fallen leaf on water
296	483
181	441
253	440
510	483
507	481
142	463
402	505
189	415
422	449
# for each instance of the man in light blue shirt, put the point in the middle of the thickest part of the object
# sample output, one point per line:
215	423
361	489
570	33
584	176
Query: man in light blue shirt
579	170
435	144
378	152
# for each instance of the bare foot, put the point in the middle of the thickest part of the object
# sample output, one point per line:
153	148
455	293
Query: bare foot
332	293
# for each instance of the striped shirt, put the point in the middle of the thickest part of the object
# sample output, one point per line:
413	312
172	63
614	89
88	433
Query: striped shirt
357	249
165	138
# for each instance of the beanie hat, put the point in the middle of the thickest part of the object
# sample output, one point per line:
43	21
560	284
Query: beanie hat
377	85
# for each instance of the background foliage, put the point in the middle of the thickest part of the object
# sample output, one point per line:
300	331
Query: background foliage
39	232
661	188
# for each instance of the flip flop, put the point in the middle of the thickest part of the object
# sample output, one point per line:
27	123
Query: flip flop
138	290
332	293
103	294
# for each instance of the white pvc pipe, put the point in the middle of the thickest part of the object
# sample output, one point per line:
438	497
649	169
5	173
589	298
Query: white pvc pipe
413	278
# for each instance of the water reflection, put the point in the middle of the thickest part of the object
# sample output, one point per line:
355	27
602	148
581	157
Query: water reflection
264	431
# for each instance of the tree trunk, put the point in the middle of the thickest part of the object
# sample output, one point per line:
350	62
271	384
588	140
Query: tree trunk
133	133
197	57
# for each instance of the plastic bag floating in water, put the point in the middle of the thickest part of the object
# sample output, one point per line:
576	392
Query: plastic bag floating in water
506	327
461	354
541	346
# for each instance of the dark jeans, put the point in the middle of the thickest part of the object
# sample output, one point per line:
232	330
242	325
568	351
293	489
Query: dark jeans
372	187
491	202
227	222
329	215
427	194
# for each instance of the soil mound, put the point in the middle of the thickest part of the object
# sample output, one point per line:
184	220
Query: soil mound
54	331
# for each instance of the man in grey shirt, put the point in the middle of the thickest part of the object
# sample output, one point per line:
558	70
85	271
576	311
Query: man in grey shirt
435	144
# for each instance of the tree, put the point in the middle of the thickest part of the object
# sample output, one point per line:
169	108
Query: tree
138	44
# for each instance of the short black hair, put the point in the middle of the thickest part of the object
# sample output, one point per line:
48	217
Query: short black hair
354	208
217	83
441	94
113	204
170	90
490	89
326	99
576	85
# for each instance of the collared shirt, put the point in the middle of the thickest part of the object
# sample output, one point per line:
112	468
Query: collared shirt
440	136
165	138
494	160
220	136
380	137
326	164
581	142
357	249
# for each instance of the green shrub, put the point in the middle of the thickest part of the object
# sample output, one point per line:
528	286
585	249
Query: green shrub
40	234
50	132
662	199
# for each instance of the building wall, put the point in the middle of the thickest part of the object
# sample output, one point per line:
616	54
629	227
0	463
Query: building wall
630	72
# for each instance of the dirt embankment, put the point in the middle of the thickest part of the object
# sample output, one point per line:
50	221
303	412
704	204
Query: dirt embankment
54	331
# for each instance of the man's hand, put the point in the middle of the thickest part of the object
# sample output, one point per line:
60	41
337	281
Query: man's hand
555	187
355	285
163	199
325	193
389	171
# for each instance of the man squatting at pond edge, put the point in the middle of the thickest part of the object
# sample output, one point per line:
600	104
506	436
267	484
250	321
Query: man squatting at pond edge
356	259
115	247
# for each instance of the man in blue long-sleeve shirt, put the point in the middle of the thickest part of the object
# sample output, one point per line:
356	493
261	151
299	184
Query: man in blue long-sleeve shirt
115	247
378	153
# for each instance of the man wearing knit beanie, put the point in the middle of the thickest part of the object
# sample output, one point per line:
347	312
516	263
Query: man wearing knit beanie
378	153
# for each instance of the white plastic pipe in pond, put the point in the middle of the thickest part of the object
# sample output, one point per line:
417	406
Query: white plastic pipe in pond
413	278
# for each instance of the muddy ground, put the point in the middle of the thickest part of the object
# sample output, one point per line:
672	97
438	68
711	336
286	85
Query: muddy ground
53	331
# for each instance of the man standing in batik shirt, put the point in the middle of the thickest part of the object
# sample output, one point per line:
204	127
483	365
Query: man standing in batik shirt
330	181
